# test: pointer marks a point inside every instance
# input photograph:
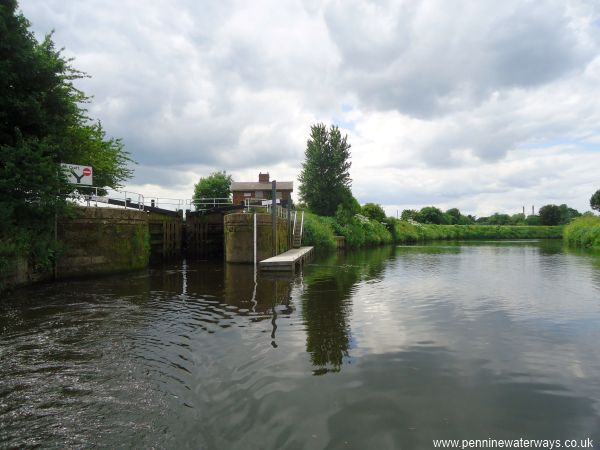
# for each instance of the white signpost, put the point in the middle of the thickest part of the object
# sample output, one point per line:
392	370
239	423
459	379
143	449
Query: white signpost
77	174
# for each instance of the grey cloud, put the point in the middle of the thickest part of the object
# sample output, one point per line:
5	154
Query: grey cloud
235	86
436	58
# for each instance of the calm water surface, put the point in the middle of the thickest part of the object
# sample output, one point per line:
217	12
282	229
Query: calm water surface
388	348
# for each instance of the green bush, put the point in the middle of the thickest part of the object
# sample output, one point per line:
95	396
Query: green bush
359	231
318	231
406	232
583	232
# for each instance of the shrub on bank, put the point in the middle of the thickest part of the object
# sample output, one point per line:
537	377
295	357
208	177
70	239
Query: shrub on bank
360	231
583	232
318	231
406	232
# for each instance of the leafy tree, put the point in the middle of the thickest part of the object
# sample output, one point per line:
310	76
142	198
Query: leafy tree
517	219
532	219
325	180
567	214
595	200
347	209
409	214
499	219
43	123
373	211
549	215
431	214
454	215
216	185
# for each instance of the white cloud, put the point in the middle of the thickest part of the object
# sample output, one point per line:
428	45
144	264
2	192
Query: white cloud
480	106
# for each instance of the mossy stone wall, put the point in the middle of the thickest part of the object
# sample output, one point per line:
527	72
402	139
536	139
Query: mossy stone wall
103	240
239	237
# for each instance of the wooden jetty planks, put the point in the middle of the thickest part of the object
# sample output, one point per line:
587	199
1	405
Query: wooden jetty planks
287	260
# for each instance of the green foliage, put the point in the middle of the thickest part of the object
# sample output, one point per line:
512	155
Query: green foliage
431	214
347	209
406	232
550	215
499	219
583	232
373	211
517	219
43	123
362	232
567	214
454	215
532	220
595	200
325	180
409	214
318	231
216	185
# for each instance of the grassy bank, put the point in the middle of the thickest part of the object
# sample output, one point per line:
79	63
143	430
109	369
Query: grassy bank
406	232
359	232
583	232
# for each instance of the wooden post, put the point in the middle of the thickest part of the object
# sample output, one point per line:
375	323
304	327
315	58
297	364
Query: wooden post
274	214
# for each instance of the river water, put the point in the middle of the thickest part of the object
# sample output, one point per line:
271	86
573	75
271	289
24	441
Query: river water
386	348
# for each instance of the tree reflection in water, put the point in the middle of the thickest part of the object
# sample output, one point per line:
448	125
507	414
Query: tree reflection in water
327	303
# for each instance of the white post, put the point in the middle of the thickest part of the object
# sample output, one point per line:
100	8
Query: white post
255	242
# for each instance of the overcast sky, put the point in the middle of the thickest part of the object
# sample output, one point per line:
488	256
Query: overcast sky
482	105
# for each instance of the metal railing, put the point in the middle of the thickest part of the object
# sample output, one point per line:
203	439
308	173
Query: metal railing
252	205
176	204
202	204
89	195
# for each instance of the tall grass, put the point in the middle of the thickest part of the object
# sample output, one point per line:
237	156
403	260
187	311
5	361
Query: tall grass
583	232
407	232
358	231
318	231
361	232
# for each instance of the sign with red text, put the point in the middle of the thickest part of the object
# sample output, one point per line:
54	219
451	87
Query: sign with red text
77	174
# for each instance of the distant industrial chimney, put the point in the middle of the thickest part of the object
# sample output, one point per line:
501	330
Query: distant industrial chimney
532	210
263	177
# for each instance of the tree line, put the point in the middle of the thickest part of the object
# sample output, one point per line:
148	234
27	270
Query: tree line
548	215
43	123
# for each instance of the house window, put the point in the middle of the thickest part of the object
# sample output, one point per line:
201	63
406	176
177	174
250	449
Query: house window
258	194
247	194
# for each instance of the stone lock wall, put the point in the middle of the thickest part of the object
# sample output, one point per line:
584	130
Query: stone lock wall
239	237
103	240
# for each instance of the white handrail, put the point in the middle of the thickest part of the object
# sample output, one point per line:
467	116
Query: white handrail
301	224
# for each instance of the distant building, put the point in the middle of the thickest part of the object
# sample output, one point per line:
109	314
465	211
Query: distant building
261	190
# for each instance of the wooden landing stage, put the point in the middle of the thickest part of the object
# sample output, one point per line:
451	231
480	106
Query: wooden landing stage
287	260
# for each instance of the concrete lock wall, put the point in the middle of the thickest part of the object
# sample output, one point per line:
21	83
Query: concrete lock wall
239	237
103	240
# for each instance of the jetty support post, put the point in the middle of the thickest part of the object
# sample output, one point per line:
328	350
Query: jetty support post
274	214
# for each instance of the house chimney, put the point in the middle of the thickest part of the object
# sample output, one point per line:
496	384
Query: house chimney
263	177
